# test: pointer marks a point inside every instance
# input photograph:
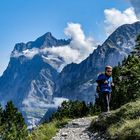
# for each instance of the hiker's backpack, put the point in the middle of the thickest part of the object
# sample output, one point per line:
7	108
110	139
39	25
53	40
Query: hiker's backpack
98	88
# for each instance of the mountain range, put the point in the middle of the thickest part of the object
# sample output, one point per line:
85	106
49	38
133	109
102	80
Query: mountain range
37	80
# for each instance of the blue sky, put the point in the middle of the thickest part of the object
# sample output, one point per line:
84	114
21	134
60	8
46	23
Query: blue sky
25	20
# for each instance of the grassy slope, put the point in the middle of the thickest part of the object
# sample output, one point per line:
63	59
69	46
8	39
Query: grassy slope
47	130
123	123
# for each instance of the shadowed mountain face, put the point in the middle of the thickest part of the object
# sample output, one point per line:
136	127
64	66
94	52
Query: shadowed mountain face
77	81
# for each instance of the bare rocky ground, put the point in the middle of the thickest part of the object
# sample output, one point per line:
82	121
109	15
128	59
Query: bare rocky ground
77	130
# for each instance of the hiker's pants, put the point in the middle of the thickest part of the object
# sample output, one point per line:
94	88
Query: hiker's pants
105	100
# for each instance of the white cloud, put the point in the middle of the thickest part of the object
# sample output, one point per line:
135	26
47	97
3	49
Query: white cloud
28	53
84	45
115	18
66	52
58	101
78	50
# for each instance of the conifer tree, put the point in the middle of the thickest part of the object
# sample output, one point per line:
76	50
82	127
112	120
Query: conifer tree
14	127
127	78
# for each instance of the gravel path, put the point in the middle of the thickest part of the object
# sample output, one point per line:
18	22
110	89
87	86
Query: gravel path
76	130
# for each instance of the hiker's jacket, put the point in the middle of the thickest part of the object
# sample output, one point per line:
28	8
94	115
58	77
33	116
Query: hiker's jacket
105	87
